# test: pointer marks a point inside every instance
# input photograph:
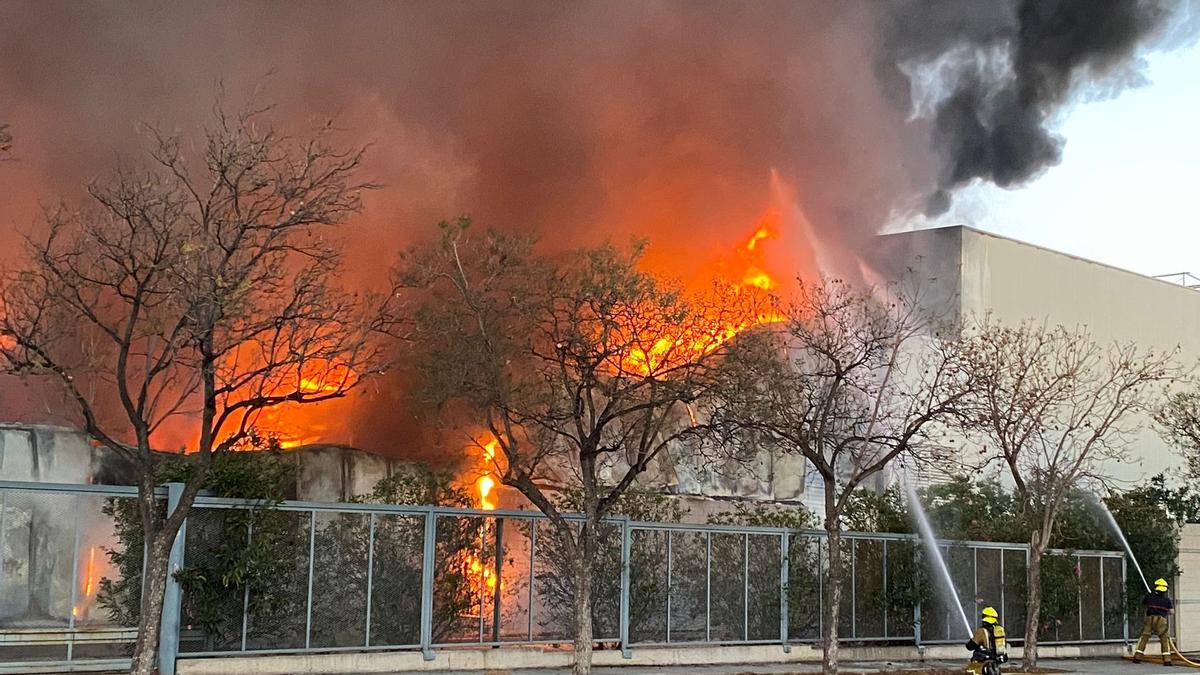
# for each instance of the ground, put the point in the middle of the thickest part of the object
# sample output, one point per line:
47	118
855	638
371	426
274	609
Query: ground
1111	666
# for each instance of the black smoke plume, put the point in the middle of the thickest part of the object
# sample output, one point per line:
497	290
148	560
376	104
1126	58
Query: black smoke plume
1009	69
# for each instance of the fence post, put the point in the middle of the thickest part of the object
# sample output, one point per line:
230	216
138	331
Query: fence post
246	589
707	586
370	576
917	562
670	583
312	552
74	582
499	575
746	587
427	586
3	506
1124	604
1103	626
626	545
783	590
168	634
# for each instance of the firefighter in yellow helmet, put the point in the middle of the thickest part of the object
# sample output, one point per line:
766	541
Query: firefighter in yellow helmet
987	645
1158	607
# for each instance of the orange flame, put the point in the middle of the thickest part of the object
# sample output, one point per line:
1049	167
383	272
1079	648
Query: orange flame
292	425
693	343
487	482
483	572
485	499
89	584
485	485
755	275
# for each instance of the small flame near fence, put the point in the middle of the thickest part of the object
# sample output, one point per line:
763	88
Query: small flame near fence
485	498
84	603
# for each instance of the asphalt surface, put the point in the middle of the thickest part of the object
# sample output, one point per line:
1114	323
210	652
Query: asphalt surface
1108	666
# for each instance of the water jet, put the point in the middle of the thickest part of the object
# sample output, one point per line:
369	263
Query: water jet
931	547
1112	523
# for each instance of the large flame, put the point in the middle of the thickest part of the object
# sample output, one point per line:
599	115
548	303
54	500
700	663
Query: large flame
744	270
749	276
291	425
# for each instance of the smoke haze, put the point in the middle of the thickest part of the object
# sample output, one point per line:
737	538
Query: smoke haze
677	121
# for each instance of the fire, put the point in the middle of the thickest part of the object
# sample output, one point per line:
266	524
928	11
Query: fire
89	584
292	425
485	499
487	482
696	341
755	276
484	573
485	485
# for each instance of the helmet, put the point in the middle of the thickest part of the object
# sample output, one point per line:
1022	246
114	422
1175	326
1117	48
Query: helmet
1160	584
989	615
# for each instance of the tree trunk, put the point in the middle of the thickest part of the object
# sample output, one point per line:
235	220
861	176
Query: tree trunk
1033	602
154	585
833	585
159	534
584	559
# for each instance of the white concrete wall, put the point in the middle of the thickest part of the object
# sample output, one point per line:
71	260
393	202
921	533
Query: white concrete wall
1013	282
54	455
1187	590
985	275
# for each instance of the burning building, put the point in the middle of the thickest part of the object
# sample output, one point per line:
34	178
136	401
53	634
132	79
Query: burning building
971	274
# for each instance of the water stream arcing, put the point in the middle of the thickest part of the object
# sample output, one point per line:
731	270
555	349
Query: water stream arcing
931	548
1112	523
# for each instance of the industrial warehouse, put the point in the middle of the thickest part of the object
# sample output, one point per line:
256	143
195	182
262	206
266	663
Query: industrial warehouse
968	273
667	337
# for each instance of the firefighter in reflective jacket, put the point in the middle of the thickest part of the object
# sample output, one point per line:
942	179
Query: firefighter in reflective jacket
1158	607
987	645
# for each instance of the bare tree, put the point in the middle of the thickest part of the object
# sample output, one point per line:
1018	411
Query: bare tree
195	294
1179	423
584	368
1058	408
851	382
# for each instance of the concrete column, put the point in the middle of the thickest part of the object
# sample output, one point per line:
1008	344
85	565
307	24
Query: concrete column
1187	589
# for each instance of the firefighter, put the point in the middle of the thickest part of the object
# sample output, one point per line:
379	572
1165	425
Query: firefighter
987	645
1158	607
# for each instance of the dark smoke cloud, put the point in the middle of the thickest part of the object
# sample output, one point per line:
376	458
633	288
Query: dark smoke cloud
584	120
1015	66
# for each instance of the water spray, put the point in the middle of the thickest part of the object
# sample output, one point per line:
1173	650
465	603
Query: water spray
1112	522
931	547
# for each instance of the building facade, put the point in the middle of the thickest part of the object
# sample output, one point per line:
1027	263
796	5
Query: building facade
974	275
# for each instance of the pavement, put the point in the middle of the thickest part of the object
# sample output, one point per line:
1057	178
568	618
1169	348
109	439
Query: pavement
1107	666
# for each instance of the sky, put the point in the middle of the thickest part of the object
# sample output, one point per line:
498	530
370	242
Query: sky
1128	189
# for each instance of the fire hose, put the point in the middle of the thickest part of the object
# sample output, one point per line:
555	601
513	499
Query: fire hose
1175	651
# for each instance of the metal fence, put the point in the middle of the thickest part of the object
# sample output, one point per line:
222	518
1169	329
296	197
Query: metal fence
357	577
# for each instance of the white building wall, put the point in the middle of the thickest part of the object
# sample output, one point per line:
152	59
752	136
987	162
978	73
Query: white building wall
983	275
1187	589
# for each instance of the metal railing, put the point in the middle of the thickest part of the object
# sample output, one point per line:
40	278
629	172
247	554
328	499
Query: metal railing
358	577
